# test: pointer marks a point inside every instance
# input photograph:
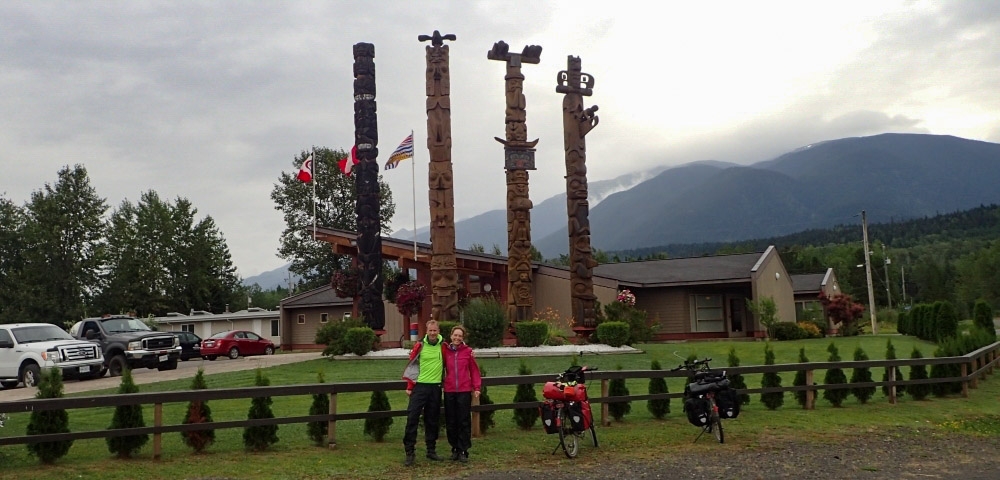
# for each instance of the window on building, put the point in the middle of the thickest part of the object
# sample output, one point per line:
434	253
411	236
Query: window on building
707	313
302	319
324	317
275	328
187	327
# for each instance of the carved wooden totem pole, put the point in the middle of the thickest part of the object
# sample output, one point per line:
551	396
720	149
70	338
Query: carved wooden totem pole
519	157
577	122
366	181
444	269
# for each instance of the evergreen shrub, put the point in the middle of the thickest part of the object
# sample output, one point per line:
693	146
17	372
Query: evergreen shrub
198	412
861	375
334	336
835	376
50	385
918	372
788	331
736	380
890	354
486	321
658	407
772	400
525	418
260	437
982	317
532	334
360	340
617	388
486	416
318	431
614	334
378	428
127	416
800	379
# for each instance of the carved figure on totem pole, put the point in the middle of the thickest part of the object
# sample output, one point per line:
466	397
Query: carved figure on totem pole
577	122
369	239
519	157
444	267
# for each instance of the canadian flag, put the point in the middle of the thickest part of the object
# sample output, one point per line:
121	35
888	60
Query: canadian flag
347	163
305	173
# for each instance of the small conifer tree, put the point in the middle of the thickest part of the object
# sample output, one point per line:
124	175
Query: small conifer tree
736	380
982	317
658	407
800	379
49	421
940	371
127	416
260	437
617	388
377	428
835	376
198	412
918	372
320	406
485	417
890	354
861	375
772	400
525	418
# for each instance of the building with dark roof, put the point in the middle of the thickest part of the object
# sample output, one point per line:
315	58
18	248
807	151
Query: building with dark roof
807	288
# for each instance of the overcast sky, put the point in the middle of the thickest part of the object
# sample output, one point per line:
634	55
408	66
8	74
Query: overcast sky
211	101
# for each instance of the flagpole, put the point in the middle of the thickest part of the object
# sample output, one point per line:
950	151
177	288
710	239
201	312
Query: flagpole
314	180
413	188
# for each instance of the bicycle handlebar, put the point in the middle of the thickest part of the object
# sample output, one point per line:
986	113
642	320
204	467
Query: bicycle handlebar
690	365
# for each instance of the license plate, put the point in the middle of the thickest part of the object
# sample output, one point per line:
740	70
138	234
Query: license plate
163	358
84	369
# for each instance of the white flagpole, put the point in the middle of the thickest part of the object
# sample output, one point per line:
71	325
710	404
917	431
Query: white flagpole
312	167
413	188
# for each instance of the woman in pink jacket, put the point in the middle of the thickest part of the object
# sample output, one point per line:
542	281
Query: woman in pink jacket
462	381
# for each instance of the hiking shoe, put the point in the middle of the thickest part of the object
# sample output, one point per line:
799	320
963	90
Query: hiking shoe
432	455
410	459
455	455
464	457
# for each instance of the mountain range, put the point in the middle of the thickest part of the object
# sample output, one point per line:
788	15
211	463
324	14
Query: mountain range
891	176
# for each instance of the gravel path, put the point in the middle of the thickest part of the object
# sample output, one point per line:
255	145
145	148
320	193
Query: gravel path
896	454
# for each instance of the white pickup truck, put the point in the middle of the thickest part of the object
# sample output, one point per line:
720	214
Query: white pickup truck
27	349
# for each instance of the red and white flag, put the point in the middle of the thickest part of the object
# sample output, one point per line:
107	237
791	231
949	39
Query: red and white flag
347	163
306	171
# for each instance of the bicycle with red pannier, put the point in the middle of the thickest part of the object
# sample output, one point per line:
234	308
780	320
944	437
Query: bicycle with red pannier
566	409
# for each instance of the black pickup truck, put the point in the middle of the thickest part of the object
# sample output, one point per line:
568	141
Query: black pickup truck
128	342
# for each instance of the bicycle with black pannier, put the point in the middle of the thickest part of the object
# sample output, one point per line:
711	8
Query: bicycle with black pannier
566	410
708	398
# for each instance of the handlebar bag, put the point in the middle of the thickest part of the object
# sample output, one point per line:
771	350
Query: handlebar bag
698	410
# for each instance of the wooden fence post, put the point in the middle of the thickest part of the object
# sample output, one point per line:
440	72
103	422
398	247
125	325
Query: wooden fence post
157	422
476	433
331	425
965	383
891	370
604	405
975	368
810	394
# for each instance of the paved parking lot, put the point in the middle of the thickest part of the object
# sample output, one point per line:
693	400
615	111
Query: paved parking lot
184	370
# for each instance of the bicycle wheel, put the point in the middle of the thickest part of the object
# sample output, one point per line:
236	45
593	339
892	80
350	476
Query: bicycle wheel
567	437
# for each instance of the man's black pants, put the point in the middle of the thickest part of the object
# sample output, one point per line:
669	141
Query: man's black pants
426	400
458	420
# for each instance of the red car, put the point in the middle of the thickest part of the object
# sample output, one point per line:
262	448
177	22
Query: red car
235	343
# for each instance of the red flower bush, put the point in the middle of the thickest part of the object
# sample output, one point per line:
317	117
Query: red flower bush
409	297
346	282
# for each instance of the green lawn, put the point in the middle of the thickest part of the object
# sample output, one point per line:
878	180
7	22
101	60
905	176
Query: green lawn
358	457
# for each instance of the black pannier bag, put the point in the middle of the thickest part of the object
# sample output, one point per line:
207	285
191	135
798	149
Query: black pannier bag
698	410
578	416
728	401
549	420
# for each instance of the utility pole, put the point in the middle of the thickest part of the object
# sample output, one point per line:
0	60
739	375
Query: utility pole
888	292
868	272
902	282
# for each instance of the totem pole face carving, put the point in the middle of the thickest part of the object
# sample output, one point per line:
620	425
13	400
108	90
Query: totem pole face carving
444	270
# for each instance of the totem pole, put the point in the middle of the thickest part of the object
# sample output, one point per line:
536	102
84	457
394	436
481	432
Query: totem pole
519	157
369	239
577	122
444	269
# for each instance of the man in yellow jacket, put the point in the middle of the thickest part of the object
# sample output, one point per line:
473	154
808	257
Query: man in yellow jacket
423	376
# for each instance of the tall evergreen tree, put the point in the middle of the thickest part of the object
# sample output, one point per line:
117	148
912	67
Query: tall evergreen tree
49	421
198	411
318	431
127	416
260	437
835	376
63	248
525	418
918	372
314	261
736	380
773	400
800	379
861	375
982	317
617	388
890	354
660	407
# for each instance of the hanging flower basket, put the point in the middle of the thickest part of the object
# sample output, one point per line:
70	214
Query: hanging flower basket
626	297
346	282
410	297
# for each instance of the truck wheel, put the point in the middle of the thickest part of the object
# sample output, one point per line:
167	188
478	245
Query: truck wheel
9	385
169	365
30	374
117	365
234	353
